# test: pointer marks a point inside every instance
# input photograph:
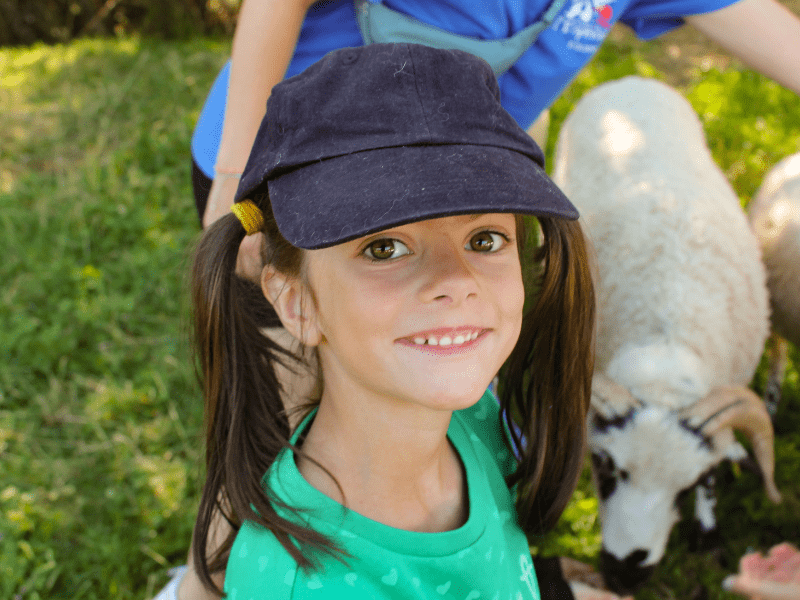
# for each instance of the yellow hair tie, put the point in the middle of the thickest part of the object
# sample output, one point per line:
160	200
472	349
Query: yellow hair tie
249	215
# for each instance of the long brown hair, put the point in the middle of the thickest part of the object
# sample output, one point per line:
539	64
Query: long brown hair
546	383
545	390
245	421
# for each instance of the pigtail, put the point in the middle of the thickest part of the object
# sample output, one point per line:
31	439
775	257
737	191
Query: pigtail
547	384
245	422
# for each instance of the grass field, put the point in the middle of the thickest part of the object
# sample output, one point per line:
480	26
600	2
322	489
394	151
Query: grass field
100	415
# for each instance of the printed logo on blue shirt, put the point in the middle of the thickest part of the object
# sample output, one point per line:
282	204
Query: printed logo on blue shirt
585	23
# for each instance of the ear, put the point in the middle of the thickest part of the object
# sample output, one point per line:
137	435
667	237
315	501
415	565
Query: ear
292	301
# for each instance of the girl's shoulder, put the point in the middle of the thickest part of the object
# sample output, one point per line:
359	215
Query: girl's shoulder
263	569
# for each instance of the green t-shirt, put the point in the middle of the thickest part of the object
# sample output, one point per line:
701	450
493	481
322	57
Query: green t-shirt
486	558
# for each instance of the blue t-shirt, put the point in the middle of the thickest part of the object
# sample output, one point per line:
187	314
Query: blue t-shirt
526	89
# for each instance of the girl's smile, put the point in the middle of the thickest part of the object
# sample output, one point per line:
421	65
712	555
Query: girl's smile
444	337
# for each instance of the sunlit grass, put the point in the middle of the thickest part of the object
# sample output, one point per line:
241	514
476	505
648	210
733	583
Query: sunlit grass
99	412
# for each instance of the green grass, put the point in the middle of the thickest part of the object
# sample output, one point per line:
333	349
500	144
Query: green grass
100	415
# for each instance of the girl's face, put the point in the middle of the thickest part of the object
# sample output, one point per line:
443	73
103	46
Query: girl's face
424	313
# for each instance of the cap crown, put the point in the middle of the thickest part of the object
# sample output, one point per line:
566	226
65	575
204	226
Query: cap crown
332	109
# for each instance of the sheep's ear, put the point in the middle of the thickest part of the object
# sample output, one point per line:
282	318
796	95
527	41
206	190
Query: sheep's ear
610	399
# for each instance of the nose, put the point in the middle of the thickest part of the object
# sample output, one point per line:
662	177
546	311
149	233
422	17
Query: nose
449	277
627	575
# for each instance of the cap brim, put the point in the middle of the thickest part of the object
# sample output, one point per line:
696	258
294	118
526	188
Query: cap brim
339	199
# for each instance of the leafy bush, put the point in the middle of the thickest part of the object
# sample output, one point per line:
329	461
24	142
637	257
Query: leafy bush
24	22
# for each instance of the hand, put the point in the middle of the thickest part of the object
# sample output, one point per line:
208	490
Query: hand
776	577
248	262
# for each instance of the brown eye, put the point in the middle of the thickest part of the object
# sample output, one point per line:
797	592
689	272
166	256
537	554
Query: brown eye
385	249
486	241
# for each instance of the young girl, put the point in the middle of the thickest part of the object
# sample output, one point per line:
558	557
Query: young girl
388	182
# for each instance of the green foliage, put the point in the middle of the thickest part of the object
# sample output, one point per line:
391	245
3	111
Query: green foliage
99	411
577	534
766	118
100	417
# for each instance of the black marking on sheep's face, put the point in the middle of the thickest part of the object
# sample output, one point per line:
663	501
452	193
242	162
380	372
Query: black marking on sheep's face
660	458
607	474
602	424
697	430
683	495
706	480
700	533
703	440
625	576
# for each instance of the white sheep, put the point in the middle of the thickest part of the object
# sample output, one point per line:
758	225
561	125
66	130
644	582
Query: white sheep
775	217
682	315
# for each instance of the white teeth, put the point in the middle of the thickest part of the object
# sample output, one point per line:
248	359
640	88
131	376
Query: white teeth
446	340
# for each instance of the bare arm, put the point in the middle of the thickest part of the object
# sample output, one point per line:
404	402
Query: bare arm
762	33
263	45
191	587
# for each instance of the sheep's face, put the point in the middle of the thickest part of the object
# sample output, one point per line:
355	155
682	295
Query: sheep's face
641	462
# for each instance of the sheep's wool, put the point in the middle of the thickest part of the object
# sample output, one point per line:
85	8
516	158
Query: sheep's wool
681	288
775	216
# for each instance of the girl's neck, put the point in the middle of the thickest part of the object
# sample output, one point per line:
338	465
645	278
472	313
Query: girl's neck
395	467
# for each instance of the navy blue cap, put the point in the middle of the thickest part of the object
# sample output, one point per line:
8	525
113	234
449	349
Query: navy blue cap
374	137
